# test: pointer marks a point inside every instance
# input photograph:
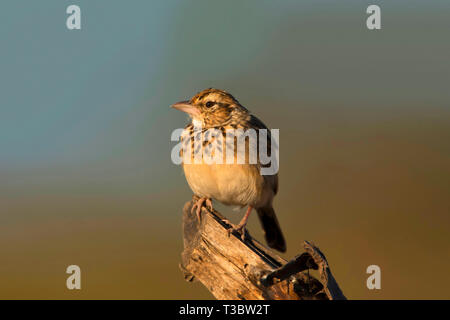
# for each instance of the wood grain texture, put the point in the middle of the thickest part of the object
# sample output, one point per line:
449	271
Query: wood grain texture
231	268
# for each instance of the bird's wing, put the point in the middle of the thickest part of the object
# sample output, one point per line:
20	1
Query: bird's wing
255	123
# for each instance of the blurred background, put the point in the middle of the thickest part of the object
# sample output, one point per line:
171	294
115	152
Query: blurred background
85	170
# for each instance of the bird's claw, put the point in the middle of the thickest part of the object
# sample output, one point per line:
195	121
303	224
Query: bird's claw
209	204
226	221
239	229
198	204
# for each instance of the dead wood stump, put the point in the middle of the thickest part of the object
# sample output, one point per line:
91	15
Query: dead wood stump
247	270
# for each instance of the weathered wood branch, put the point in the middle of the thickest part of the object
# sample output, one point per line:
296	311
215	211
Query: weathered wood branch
231	268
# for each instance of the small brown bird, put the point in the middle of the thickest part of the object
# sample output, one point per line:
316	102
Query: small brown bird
231	184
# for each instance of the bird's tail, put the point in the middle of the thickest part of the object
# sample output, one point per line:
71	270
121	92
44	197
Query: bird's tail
273	234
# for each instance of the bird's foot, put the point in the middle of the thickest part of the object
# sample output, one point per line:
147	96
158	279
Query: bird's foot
209	204
198	204
240	228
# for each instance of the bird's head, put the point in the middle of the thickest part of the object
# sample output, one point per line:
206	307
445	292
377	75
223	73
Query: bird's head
211	108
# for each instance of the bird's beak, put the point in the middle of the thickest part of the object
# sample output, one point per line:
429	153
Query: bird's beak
185	106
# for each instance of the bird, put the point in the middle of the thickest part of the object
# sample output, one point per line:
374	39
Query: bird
232	184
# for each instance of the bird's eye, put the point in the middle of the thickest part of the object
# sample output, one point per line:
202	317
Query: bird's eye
209	104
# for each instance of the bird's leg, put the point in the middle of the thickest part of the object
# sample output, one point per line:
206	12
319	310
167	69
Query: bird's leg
198	203
241	226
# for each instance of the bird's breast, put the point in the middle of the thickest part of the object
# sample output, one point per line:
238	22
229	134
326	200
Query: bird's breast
231	184
238	182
